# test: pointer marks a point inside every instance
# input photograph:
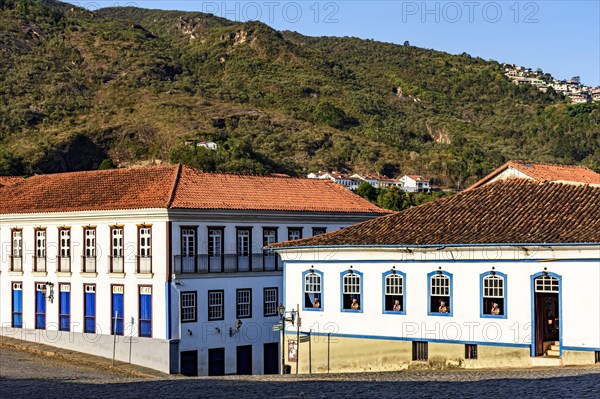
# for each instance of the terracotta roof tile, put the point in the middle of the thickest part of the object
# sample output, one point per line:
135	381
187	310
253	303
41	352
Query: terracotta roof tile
9	180
544	172
199	190
177	186
509	211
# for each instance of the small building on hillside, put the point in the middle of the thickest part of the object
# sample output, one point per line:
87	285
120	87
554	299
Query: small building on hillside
168	257
503	275
541	172
415	184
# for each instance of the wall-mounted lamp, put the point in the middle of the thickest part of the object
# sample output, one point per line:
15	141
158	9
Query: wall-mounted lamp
238	325
439	271
281	310
178	282
312	269
48	291
393	271
350	271
493	271
189	332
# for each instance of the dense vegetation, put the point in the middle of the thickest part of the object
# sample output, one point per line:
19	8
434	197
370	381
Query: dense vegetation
129	86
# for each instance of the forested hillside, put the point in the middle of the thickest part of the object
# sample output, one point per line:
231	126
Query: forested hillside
132	85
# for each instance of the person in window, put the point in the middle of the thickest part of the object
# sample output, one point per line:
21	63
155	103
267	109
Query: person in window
316	304
495	309
355	305
443	308
396	307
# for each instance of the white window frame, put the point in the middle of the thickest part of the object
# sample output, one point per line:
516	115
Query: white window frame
189	307
65	243
17	243
215	242
270	299
145	250
40	243
215	305
243	242
90	242
547	284
116	237
243	303
188	241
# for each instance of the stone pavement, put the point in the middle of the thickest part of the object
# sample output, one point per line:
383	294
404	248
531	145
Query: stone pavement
79	358
29	375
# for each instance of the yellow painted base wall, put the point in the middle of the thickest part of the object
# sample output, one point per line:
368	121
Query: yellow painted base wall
359	355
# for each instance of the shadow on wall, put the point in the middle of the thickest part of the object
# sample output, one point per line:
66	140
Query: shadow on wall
457	384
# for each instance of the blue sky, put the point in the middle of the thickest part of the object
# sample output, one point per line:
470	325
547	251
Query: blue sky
561	37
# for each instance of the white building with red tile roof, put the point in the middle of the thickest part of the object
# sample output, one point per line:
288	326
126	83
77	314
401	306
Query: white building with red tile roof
168	255
504	275
415	183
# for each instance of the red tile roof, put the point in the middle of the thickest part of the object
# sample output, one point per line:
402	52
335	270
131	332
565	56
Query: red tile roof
9	180
177	186
508	211
418	178
544	172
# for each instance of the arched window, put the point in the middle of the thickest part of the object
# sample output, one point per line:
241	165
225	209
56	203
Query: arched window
440	293
312	288
393	292
493	294
351	291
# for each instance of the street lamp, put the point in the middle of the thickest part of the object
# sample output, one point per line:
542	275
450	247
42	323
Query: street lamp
281	310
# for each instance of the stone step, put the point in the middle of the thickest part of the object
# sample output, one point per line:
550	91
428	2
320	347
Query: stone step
545	361
553	353
555	347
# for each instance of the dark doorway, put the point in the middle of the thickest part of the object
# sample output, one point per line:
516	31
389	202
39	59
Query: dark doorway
216	361
271	358
189	363
244	360
547	321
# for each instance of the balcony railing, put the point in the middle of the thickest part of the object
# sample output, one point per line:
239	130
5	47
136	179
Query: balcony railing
144	264
16	264
39	263
88	264
227	263
64	264
117	264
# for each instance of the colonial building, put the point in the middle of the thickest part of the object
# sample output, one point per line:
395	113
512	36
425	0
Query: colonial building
162	265
505	274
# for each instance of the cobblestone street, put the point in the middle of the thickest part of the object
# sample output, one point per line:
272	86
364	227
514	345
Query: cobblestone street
25	375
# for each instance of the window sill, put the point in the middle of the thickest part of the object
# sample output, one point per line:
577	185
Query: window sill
493	316
63	274
89	274
399	313
440	314
144	275
313	309
13	273
116	275
39	274
352	310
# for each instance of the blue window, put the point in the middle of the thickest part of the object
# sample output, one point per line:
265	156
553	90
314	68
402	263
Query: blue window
145	311
493	294
312	288
116	314
64	307
17	305
439	293
351	299
89	304
394	287
40	306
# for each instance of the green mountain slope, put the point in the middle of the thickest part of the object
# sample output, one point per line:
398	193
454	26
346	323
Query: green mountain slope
132	85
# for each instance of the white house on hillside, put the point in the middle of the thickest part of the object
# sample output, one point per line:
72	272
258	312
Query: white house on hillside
503	275
169	257
414	183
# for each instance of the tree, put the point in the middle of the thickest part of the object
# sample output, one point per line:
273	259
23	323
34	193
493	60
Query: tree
106	164
576	79
407	43
367	191
394	199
